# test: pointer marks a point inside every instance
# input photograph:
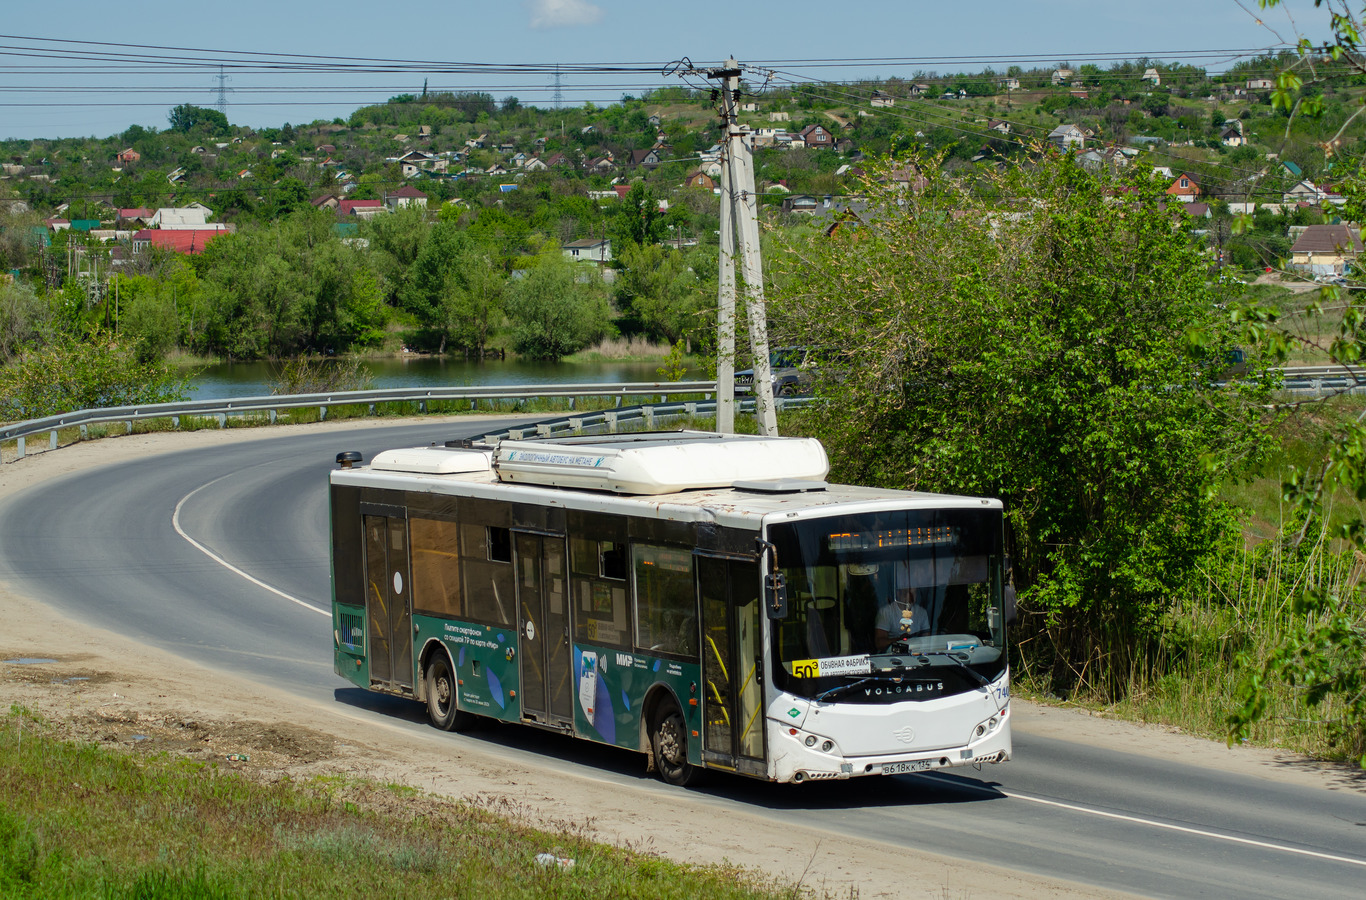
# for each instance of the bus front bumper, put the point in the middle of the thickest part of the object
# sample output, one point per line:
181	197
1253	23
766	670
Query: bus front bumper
795	760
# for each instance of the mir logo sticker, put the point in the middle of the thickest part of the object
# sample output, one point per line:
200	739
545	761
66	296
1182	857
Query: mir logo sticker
794	712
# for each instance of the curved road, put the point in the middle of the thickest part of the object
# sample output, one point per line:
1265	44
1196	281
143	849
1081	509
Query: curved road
221	554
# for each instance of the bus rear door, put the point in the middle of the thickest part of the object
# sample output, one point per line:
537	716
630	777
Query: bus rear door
388	611
544	624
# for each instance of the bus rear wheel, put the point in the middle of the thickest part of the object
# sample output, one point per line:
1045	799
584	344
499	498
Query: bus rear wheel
669	740
441	705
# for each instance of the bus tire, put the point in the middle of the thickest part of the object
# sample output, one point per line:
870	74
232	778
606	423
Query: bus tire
441	705
669	741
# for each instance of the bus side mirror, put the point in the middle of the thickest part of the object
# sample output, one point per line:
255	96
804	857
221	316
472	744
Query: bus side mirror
775	583
1012	613
775	595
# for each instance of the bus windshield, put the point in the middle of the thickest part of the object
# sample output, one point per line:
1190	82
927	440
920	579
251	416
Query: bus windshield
906	593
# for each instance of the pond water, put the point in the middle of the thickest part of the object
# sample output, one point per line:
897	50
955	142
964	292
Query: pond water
253	379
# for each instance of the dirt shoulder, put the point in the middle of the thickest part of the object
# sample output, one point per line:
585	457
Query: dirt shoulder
102	687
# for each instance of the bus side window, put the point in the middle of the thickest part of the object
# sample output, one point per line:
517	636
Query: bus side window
500	544
486	552
436	566
598	570
613	560
666	600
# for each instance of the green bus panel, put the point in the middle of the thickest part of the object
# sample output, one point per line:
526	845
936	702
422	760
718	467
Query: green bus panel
348	636
610	687
486	665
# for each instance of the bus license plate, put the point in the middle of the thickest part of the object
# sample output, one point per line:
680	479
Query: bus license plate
901	768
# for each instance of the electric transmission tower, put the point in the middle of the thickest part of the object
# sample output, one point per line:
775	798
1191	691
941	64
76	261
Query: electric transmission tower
559	95
223	90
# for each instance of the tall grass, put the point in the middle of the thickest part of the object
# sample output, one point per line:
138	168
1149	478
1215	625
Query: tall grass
318	374
625	348
1225	630
79	821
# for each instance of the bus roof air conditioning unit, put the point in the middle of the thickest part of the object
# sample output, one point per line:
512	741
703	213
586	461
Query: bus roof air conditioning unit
660	462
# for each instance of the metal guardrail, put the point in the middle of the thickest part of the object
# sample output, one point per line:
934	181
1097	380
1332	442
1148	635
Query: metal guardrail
1323	371
1320	381
271	404
648	416
1312	380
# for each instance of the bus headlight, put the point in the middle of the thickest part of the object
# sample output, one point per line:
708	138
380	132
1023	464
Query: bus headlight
985	728
827	746
810	740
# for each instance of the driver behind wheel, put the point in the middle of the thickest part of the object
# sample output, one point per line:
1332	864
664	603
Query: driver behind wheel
899	618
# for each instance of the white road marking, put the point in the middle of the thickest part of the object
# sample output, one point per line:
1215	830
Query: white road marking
175	522
1153	823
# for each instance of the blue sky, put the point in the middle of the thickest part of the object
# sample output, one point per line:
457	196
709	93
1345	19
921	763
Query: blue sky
73	95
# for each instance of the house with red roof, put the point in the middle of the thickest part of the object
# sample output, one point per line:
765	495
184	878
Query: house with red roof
178	240
361	209
405	196
138	216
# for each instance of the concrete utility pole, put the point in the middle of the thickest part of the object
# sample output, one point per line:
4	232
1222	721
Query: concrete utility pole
725	304
740	230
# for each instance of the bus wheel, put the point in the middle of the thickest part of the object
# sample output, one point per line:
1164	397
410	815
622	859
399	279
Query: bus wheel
669	738
441	707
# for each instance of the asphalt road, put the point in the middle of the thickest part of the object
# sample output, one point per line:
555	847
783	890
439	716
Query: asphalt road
127	547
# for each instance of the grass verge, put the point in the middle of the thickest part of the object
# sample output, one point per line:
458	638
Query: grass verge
78	820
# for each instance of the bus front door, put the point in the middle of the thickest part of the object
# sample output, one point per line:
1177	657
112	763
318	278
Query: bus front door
544	624
387	609
732	664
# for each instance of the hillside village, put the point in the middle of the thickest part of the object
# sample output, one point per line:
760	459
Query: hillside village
523	177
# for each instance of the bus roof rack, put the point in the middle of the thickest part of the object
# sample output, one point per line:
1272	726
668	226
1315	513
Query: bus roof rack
661	462
780	486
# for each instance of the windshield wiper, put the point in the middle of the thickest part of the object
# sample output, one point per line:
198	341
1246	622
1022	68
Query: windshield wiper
959	660
841	688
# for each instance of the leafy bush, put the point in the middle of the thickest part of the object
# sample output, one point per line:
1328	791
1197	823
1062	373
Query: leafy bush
24	317
68	375
558	308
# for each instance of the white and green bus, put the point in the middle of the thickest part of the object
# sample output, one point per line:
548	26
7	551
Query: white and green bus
708	600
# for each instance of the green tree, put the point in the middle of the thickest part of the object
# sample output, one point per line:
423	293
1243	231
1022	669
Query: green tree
637	219
186	118
455	289
289	288
559	308
1323	657
660	292
156	311
289	195
1021	335
395	242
